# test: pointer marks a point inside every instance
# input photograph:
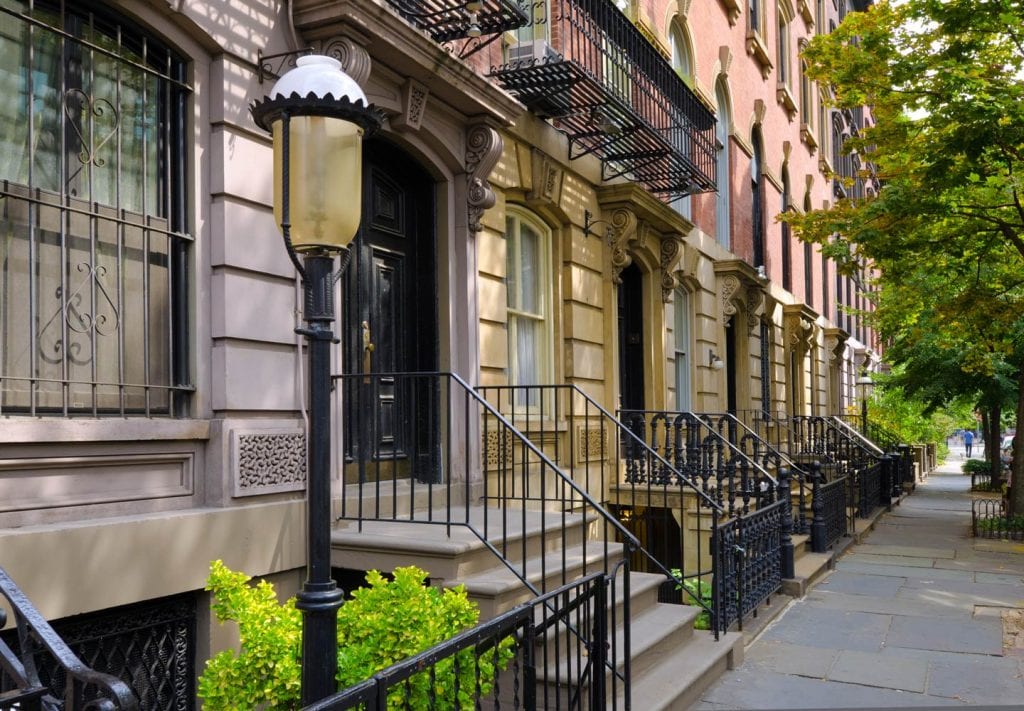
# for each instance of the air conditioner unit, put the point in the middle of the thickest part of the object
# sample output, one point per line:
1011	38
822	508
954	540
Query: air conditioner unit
531	51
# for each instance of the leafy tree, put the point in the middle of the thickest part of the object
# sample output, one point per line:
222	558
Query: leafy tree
945	233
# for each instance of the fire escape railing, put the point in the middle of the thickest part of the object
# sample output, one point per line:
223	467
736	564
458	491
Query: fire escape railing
584	65
448	20
24	688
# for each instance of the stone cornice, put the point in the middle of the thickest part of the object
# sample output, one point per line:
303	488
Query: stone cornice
740	289
798	324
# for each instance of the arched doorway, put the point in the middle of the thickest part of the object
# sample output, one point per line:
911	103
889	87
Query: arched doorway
390	324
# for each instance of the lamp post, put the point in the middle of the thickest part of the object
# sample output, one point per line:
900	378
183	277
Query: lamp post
864	384
318	116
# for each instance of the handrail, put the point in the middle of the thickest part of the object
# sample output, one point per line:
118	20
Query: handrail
35	632
538	413
851	431
784	458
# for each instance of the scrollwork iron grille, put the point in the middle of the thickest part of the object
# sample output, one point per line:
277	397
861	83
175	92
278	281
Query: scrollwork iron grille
834	504
870	489
750	563
151	646
93	268
584	64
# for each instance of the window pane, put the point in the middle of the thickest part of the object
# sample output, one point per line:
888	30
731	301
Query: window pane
530	271
512	263
527	351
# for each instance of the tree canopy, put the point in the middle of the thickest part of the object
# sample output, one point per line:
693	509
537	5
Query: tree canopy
944	234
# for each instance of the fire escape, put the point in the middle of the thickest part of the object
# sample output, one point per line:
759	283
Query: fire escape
586	67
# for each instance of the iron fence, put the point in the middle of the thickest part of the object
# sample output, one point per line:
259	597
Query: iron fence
870	481
830	519
991	519
551	653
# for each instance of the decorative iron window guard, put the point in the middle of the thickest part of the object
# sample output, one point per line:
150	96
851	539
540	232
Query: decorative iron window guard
603	83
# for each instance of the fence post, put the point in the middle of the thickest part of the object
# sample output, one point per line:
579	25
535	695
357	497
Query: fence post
786	548
599	646
818	532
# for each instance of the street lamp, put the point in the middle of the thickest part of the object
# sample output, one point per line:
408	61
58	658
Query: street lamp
864	384
318	116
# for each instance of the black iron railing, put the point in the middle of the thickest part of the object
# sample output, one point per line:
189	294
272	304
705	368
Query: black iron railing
829	506
990	519
703	456
760	447
549	653
428	449
74	686
585	65
614	464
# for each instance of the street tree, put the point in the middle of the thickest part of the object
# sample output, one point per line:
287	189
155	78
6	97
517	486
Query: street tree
944	234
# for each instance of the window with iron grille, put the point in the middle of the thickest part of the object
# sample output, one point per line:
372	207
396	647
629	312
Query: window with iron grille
93	231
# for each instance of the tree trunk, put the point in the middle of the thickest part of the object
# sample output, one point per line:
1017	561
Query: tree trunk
993	435
1016	497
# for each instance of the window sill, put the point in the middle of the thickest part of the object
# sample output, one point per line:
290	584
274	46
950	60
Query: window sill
759	51
34	430
784	95
732	9
824	165
807	136
804	9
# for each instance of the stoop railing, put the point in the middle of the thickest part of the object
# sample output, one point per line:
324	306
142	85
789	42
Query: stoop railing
84	689
531	657
605	457
752	543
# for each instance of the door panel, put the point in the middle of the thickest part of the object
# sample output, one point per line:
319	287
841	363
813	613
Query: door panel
390	324
631	339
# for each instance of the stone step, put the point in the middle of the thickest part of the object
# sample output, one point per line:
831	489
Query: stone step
451	553
682	675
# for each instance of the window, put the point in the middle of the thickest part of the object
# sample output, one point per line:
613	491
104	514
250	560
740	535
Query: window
757	197
766	369
526	281
722	165
755	16
806	97
825	306
809	266
787	246
93	222
681	346
682	62
782	46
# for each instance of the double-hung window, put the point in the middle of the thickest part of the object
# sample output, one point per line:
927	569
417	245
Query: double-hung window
93	228
527	279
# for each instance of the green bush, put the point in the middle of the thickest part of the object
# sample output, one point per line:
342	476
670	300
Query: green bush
977	466
697	593
382	624
1001	523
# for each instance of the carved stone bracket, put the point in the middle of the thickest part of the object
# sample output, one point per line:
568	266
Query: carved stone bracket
355	60
624	233
414	106
268	461
483	148
798	326
741	290
671	247
835	340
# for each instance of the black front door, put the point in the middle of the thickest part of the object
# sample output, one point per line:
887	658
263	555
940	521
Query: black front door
390	323
631	339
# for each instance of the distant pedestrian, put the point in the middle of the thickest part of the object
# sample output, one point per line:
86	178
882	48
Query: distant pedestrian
968	442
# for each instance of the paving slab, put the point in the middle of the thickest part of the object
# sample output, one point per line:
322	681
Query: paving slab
809	625
872	548
888	605
979	635
873	669
905	571
786	658
859	584
900	560
999	578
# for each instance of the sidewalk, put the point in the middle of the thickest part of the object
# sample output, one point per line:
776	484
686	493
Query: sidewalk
913	616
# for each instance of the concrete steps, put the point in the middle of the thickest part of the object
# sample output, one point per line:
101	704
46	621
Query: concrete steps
670	662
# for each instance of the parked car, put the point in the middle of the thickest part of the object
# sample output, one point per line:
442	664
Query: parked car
1006	452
